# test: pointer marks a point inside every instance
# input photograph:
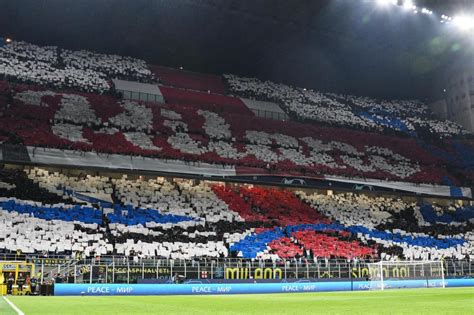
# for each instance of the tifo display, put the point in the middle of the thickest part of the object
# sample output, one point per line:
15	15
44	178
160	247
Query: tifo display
198	213
183	219
93	123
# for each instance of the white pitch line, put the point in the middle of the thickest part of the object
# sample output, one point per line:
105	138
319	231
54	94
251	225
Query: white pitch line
17	310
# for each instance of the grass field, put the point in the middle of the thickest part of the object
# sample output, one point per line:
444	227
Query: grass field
416	301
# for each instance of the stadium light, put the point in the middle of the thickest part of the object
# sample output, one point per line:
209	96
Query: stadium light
426	11
8	40
464	22
409	5
384	3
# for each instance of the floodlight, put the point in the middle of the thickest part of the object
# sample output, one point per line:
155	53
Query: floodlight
408	5
386	2
426	11
464	22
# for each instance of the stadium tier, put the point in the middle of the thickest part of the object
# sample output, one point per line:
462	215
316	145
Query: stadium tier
219	129
92	72
58	68
409	117
329	134
90	216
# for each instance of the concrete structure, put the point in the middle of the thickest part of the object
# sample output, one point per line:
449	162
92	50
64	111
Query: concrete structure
137	91
265	109
458	102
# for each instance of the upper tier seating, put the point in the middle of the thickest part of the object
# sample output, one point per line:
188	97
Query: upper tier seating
92	72
179	219
65	69
89	122
407	116
189	80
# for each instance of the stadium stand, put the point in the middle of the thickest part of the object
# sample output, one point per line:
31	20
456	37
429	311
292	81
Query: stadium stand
119	177
57	68
409	117
183	219
218	129
219	133
52	99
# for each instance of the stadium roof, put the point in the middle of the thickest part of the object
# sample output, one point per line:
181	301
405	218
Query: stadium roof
331	45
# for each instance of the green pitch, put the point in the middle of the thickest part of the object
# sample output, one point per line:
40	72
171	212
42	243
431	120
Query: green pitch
419	301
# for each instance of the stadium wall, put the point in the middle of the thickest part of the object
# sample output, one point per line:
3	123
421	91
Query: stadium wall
245	288
459	93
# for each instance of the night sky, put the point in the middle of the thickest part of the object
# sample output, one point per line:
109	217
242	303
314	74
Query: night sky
345	46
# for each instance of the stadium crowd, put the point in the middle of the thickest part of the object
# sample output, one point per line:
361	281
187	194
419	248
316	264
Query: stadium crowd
95	215
404	116
65	69
87	71
59	99
35	116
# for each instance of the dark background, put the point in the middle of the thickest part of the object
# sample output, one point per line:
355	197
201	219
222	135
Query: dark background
346	46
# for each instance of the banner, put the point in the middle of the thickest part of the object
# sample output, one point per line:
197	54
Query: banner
50	261
161	272
243	288
253	273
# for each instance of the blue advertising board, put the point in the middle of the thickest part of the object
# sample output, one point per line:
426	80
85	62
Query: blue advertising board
243	288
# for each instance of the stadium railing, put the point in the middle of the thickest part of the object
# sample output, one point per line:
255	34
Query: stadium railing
132	269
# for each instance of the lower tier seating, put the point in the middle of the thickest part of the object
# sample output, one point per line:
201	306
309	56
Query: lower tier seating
176	218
